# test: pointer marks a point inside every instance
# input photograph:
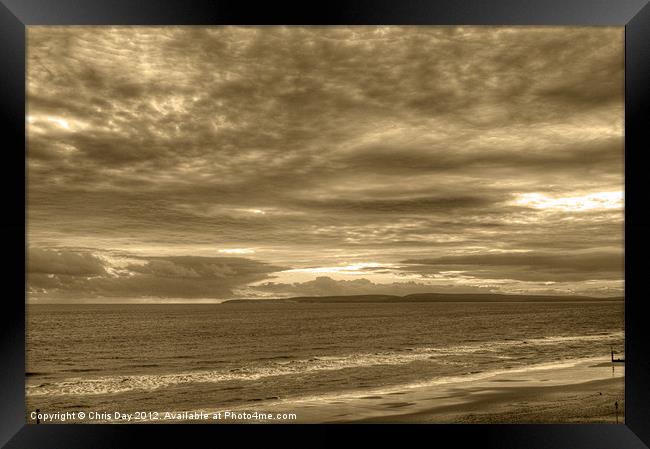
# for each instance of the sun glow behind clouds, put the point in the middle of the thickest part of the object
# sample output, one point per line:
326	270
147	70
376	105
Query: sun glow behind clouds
592	201
237	251
252	211
357	268
40	123
59	121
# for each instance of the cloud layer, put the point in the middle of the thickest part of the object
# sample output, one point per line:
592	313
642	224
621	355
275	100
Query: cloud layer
319	146
61	273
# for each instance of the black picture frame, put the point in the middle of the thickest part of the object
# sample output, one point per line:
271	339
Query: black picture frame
15	15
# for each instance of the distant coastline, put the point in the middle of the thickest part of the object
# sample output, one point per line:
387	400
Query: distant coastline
350	299
430	297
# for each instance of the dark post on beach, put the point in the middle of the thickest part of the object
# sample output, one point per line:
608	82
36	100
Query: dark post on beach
616	407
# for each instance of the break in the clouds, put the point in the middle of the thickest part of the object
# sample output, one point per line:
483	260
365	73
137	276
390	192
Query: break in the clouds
217	162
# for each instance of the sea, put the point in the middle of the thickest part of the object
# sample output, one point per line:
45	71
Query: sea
143	358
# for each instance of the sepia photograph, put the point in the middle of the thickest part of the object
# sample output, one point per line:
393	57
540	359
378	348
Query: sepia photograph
325	224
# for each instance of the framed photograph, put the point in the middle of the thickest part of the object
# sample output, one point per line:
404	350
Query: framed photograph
379	214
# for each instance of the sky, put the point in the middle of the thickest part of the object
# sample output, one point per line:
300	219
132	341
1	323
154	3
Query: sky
192	164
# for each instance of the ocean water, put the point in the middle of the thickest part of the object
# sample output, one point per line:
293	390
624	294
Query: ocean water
173	357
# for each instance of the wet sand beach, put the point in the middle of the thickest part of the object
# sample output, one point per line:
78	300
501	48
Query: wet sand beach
579	391
521	401
589	402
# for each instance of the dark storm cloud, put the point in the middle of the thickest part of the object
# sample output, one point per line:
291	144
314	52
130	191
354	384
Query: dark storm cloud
601	154
66	274
205	267
391	142
527	266
63	262
407	205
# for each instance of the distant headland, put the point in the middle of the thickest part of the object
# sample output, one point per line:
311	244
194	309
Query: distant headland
430	297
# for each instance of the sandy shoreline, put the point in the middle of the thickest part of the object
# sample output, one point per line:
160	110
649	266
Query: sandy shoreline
574	391
571	391
583	393
591	402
